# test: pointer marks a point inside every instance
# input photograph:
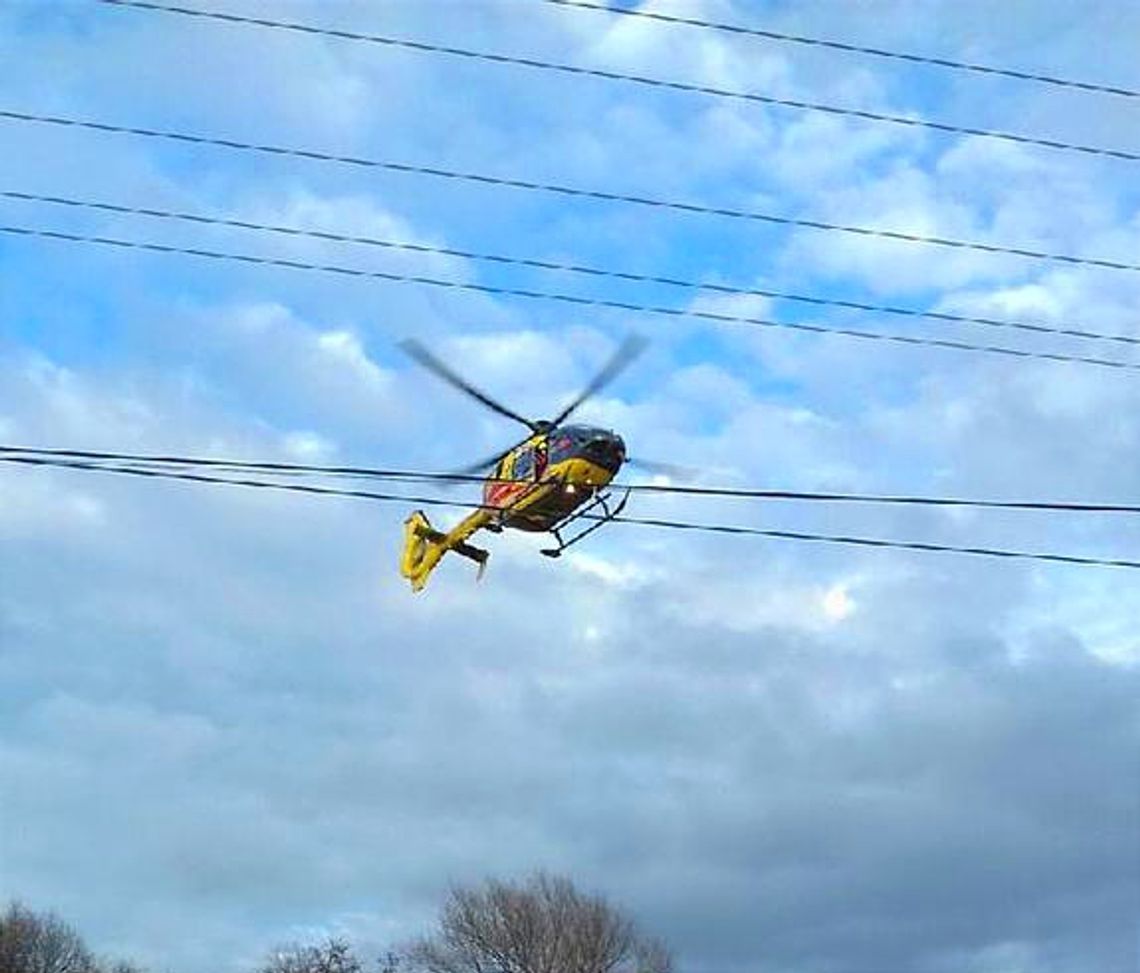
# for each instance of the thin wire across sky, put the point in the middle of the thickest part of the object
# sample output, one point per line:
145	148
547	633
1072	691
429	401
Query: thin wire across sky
559	189
913	341
190	475
1062	330
767	34
540	64
162	460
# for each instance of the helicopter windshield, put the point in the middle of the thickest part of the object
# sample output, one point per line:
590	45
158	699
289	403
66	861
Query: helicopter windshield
568	441
599	446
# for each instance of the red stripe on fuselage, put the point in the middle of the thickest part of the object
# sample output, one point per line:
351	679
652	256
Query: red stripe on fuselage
504	494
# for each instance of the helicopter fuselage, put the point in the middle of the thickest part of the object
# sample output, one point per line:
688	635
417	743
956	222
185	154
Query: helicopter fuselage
542	482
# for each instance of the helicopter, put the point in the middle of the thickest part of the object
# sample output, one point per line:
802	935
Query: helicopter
554	478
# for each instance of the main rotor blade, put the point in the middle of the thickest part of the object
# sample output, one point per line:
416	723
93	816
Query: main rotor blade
491	461
633	346
483	465
417	351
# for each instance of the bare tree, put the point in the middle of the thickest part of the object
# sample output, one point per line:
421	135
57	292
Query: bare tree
41	943
543	925
333	956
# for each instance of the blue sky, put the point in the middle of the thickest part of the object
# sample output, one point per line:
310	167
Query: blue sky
227	722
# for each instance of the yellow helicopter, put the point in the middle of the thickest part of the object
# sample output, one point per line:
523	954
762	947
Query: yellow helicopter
553	478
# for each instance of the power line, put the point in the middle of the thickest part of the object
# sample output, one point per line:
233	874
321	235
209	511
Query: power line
561	190
637	521
293	231
574	69
566	298
774	35
792	535
414	476
168	474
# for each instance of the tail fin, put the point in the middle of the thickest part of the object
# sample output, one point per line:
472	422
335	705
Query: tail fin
424	546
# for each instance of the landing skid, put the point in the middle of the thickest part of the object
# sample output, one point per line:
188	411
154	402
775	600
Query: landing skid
600	500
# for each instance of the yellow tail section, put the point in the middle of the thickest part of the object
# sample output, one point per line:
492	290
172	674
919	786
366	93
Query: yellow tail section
424	546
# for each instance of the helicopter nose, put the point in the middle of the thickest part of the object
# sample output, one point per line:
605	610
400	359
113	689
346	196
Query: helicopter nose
607	450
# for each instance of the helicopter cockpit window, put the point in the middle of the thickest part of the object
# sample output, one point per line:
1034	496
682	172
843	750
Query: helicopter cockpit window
565	444
524	464
560	448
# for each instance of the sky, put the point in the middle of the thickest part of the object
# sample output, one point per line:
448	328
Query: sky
227	724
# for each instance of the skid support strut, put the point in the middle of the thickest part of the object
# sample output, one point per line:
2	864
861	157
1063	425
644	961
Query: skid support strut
600	502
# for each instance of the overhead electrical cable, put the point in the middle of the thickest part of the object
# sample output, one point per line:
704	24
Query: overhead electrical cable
160	473
559	189
597	272
637	79
413	476
783	36
637	521
576	300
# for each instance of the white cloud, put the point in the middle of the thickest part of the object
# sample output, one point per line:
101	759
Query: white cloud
838	603
616	575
